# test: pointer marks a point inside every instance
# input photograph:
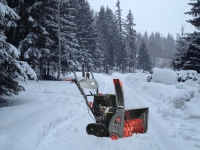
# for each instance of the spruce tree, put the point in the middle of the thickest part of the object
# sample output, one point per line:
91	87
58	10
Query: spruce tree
192	58
86	34
144	61
11	69
119	16
170	46
11	31
145	37
36	41
181	46
69	41
109	37
139	39
131	48
195	12
101	29
121	52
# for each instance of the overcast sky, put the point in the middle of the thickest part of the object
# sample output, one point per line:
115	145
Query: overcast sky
164	16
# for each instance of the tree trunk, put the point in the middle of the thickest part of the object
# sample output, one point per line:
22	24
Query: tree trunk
59	51
48	70
83	70
40	67
106	68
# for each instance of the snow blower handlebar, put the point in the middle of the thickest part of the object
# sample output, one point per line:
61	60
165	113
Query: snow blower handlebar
72	80
82	92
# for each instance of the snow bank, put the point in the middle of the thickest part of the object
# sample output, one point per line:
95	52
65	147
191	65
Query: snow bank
166	76
184	75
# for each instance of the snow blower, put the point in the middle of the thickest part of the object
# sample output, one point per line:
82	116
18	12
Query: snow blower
112	119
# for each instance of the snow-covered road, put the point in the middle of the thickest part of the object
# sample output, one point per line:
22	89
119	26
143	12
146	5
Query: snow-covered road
52	115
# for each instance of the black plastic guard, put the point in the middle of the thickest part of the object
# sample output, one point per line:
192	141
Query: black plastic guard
119	93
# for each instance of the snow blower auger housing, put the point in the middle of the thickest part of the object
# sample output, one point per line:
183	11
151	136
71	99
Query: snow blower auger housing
112	119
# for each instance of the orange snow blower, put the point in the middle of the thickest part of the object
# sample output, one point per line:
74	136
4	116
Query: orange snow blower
112	119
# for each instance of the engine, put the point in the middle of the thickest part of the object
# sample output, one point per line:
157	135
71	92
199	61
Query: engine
104	107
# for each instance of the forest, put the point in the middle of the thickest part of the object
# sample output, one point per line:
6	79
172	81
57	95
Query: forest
45	38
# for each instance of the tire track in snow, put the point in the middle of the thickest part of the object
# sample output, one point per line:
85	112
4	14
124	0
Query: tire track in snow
50	129
65	133
65	103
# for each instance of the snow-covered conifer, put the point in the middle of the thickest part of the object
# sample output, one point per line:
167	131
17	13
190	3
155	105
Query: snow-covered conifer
192	57
119	16
69	41
36	42
144	61
86	34
182	47
131	48
11	69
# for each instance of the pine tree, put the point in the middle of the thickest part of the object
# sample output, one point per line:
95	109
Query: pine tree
170	46
144	61
119	16
151	45
86	34
139	39
102	36
195	12
121	52
93	44
158	41
108	36
69	41
131	48
36	42
11	69
98	53
182	47
145	37
192	58
12	30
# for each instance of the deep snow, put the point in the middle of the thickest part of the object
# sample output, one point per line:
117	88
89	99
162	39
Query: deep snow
52	115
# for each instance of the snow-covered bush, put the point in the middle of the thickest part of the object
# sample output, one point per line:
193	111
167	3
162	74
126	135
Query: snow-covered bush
149	78
184	75
166	76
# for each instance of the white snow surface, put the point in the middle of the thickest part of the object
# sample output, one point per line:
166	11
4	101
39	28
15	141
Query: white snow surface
52	115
